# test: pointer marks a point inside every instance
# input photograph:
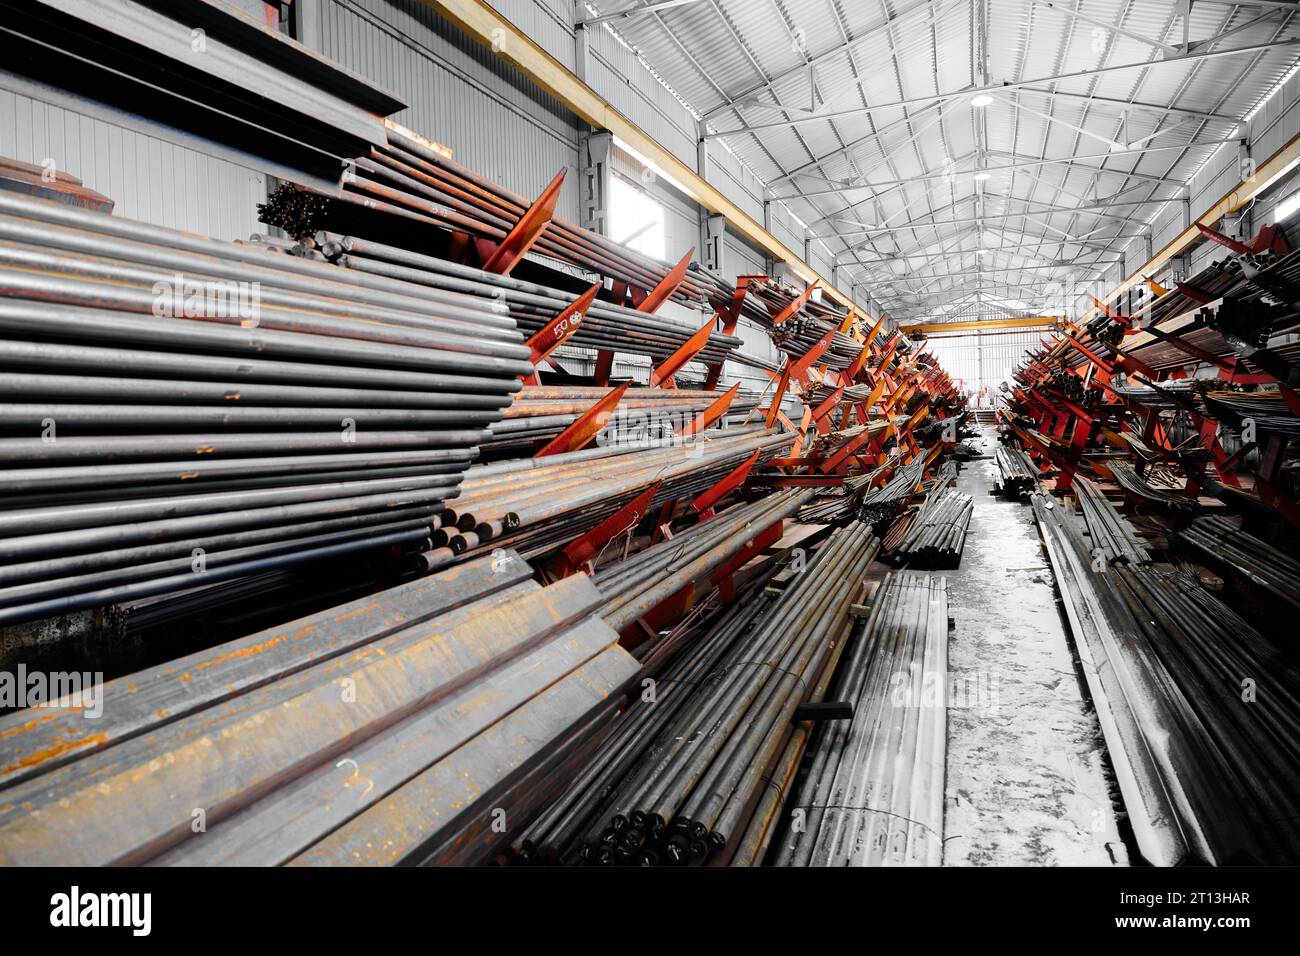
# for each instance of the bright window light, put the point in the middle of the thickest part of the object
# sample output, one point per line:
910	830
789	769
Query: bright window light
635	219
1286	208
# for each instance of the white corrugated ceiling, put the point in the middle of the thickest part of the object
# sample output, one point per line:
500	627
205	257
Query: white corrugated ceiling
859	114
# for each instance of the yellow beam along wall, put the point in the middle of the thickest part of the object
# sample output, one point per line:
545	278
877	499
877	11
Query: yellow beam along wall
1029	322
1273	169
489	27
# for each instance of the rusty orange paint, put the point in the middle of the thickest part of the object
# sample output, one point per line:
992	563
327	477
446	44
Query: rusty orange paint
58	750
28	725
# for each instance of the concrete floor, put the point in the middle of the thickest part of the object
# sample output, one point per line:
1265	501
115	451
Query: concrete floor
1027	782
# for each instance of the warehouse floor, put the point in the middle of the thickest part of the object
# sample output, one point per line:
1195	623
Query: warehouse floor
1027	779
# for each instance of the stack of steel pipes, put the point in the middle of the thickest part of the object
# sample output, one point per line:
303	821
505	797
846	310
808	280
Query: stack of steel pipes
818	392
385	731
1107	527
605	326
643	414
1017	476
538	504
1256	561
1201	713
180	406
797	336
830	506
879	504
690	798
936	538
874	790
640	583
408	187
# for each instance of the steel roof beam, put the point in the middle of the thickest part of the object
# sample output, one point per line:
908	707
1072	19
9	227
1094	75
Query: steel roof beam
633	11
1005	87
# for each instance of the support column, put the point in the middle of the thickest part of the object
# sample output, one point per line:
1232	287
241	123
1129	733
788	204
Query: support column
597	149
712	242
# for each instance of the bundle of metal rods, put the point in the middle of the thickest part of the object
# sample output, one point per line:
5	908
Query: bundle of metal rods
1017	476
647	414
874	790
690	797
606	324
417	186
830	506
1267	409
801	331
449	697
1201	713
180	406
1257	561
1162	399
818	392
1126	477
1107	527
537	504
936	538
640	583
797	335
555	837
881	503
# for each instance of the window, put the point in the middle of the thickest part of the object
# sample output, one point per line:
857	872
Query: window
1286	208
635	219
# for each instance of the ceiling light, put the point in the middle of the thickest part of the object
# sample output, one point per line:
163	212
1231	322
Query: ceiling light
982	100
980	177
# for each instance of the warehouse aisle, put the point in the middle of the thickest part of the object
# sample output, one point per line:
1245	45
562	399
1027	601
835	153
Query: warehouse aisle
1026	783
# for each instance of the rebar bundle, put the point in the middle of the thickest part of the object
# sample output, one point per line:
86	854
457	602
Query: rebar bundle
1107	528
690	797
873	794
1255	560
1201	713
936	538
1017	476
449	696
180	410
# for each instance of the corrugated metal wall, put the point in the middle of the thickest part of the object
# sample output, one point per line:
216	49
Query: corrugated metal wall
460	93
150	177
